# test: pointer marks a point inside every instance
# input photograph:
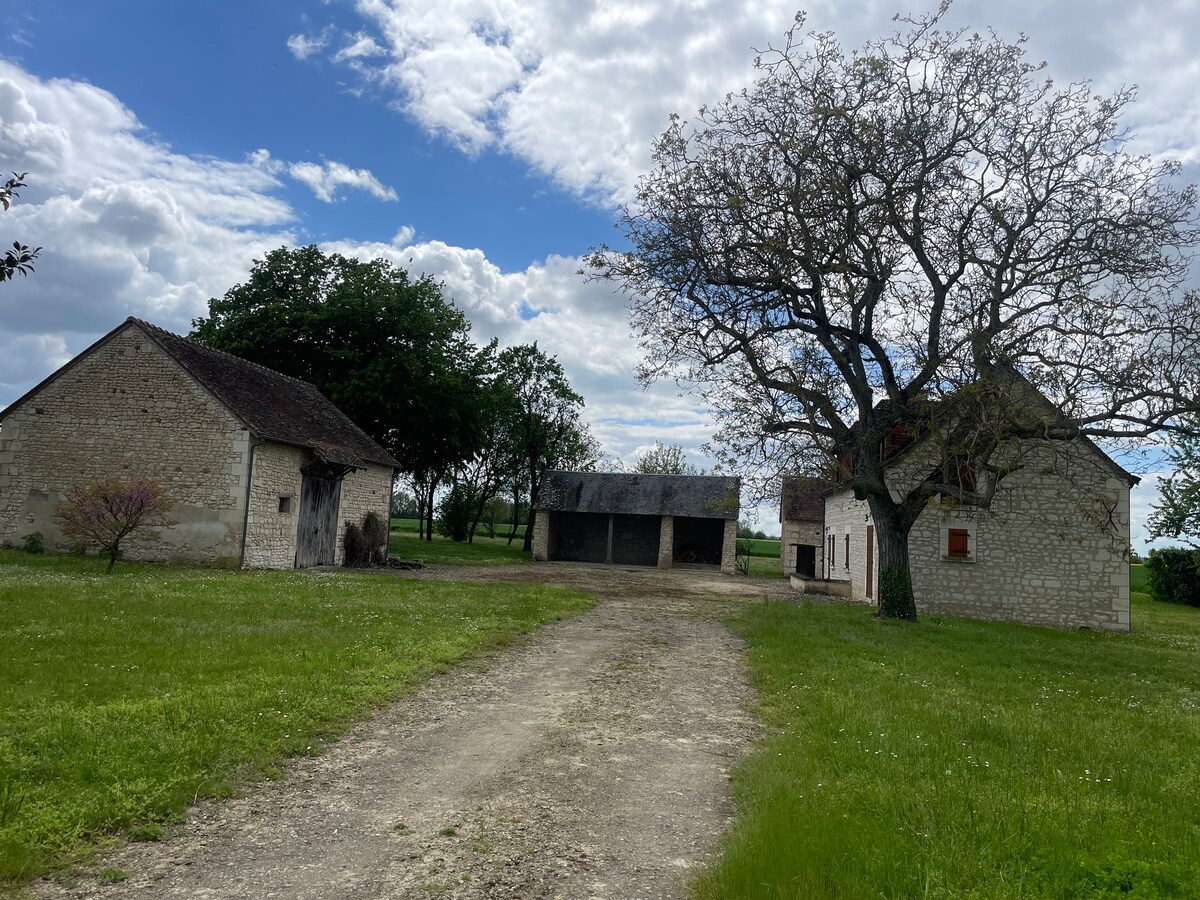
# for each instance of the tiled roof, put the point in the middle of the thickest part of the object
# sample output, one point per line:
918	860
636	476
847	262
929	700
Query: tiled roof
273	405
803	499
698	496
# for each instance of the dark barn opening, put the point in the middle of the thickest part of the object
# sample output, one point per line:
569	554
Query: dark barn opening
585	537
635	539
579	537
698	541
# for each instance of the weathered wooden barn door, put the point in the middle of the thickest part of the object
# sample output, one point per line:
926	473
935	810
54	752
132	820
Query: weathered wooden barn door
316	534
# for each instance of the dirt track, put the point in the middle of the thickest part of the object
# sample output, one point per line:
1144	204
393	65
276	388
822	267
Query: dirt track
589	762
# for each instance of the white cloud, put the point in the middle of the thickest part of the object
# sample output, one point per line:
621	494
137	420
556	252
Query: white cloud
579	90
128	226
304	47
361	46
327	177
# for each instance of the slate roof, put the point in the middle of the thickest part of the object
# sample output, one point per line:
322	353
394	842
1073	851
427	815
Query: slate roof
270	404
697	496
803	499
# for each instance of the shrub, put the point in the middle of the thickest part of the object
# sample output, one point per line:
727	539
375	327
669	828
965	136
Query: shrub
375	533
109	510
742	552
32	542
1173	575
456	512
358	551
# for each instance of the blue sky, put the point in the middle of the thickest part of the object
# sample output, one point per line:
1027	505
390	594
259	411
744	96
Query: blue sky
487	142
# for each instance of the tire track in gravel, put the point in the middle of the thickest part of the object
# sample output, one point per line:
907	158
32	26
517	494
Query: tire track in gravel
592	761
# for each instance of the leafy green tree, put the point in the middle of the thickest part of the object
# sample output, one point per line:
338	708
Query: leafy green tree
546	430
927	221
389	350
665	459
1177	513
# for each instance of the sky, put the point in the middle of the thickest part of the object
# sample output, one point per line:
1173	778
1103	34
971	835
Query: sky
489	143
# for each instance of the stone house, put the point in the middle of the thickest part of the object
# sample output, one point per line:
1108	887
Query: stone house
637	520
264	471
1053	549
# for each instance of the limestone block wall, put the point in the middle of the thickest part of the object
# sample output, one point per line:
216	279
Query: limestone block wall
666	542
541	535
128	410
793	533
1053	550
729	547
362	491
845	516
271	532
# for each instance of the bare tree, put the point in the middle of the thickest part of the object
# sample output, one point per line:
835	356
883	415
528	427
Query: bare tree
910	237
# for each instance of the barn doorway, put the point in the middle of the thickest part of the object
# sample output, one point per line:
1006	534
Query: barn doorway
621	539
698	541
316	533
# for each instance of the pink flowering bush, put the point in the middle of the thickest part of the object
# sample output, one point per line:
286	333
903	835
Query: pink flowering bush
109	510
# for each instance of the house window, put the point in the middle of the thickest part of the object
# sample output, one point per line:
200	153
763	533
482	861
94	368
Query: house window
846	555
285	503
958	543
832	561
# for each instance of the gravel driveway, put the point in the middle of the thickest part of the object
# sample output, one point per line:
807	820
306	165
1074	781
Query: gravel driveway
590	761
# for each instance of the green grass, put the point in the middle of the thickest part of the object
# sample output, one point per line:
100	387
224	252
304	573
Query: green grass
1139	578
411	525
763	547
958	759
481	552
125	698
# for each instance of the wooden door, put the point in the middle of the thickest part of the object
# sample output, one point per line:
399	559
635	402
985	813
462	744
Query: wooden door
316	533
870	561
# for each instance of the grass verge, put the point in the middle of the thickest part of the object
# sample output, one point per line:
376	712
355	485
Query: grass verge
124	698
958	759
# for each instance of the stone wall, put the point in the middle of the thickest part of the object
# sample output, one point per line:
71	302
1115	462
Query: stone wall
666	542
541	534
793	533
363	491
1052	550
729	547
128	410
271	531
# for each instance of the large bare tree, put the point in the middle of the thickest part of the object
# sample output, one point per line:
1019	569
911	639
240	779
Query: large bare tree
905	236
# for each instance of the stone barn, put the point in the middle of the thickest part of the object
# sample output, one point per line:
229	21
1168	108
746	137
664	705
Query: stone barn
264	470
637	520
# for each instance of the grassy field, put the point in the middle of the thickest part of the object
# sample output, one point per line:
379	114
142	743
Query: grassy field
764	547
958	759
1139	580
124	698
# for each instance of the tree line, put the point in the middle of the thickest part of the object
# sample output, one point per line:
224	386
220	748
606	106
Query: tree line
468	422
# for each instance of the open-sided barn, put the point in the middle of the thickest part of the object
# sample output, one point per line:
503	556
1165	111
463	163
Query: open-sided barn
637	520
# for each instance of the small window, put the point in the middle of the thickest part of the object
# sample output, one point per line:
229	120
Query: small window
285	503
958	543
832	553
846	555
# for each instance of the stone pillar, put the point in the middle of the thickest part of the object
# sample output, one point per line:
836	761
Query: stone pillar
666	542
729	548
541	535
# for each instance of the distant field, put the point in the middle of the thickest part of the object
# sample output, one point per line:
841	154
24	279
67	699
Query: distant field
405	544
411	526
1139	580
764	547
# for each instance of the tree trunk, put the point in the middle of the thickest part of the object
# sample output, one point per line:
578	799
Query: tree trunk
429	498
516	512
533	486
895	578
